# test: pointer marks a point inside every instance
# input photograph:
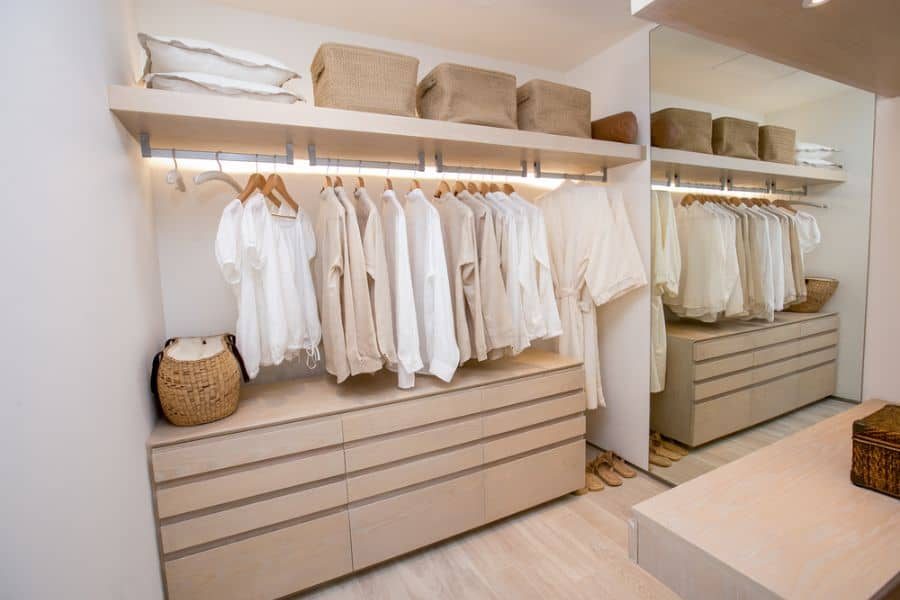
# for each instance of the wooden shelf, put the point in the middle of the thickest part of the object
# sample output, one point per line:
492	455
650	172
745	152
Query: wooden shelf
696	167
210	123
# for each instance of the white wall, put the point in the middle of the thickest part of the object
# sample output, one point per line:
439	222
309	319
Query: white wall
883	323
81	313
619	80
845	121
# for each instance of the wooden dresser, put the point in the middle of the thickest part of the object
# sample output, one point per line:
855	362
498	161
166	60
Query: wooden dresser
309	481
723	377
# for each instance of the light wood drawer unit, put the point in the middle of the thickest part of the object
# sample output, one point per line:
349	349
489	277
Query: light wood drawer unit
513	486
396	525
265	503
203	456
270	565
724	377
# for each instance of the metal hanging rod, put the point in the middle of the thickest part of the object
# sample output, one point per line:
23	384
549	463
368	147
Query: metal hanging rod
442	168
315	160
807	203
148	152
543	175
726	185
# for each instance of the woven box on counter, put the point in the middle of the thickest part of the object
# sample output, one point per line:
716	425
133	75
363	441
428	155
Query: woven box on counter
776	144
876	451
363	79
735	137
682	129
554	108
463	94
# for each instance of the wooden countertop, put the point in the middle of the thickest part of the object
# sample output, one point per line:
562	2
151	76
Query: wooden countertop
699	331
788	518
285	401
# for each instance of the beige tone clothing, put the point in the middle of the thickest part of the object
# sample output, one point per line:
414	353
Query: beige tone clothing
665	267
494	301
461	254
330	270
798	266
362	348
377	270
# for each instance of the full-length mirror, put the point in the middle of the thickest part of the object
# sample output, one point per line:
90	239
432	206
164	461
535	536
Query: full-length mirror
762	181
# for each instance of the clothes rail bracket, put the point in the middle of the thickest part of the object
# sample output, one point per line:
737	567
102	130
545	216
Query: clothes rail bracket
602	178
316	160
147	151
440	167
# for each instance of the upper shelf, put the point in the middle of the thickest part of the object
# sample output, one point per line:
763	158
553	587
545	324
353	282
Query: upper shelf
211	123
696	167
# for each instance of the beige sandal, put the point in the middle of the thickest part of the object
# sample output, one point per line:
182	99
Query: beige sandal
603	468
656	446
593	483
659	461
620	467
658	439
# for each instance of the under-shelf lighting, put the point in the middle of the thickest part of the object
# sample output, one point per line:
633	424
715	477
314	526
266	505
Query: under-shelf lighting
814	3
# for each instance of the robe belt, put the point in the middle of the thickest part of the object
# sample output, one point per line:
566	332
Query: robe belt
572	294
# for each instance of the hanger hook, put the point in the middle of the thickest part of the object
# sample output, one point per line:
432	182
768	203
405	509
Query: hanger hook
174	160
275	163
256	156
389	169
218	162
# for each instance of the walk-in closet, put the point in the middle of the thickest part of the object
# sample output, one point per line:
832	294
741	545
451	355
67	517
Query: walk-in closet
488	299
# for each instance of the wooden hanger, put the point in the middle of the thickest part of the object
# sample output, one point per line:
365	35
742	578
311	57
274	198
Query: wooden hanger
388	184
414	185
360	182
785	205
254	183
473	189
276	184
494	187
508	189
328	182
458	187
443	188
483	188
688	199
338	182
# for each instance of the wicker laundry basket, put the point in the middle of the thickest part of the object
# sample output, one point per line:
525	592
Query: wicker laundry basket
554	108
819	290
463	94
735	137
620	127
198	380
364	79
682	129
776	144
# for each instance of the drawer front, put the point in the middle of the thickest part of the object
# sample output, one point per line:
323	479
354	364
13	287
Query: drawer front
373	453
410	414
270	565
398	524
776	335
721	416
722	385
815	326
532	388
529	481
222	524
411	473
792	365
533	439
782	395
203	456
533	414
248	482
723	366
731	344
801	346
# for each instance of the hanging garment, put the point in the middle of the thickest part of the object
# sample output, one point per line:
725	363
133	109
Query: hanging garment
808	230
777	253
790	288
460	251
406	340
595	260
331	274
229	255
798	263
362	348
494	301
377	271
666	272
431	287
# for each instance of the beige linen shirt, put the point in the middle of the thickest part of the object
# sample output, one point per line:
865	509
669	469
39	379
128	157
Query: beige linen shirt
330	269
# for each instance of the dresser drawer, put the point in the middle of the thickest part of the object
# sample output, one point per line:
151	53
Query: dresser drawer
410	473
815	326
776	397
724	415
723	366
532	439
532	480
801	346
372	453
247	482
731	344
398	524
791	365
410	414
776	335
271	565
533	414
233	521
203	456
532	388
722	385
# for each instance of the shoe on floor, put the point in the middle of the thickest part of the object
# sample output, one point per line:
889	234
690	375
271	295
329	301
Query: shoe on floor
620	467
593	483
659	440
603	469
659	461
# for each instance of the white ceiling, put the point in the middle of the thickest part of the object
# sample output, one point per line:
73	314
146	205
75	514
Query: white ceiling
555	35
691	67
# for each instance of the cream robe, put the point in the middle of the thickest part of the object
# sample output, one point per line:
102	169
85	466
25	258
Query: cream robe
666	272
595	260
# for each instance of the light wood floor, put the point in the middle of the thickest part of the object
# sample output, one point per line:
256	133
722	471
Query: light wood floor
710	456
574	547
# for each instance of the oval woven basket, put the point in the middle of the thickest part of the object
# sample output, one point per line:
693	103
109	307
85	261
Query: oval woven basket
819	290
197	391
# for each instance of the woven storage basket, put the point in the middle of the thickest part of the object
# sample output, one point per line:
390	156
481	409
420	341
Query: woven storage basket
554	108
876	451
363	79
735	137
464	94
819	290
620	127
198	380
682	129
776	144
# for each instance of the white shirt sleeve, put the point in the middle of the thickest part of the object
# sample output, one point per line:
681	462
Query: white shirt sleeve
227	246
444	349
